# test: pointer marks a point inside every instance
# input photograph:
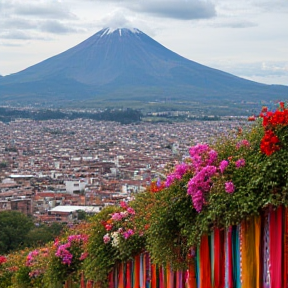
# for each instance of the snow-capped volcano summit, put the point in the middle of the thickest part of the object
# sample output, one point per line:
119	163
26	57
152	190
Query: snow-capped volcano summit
107	31
127	63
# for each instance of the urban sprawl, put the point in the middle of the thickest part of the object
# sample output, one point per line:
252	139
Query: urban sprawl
52	169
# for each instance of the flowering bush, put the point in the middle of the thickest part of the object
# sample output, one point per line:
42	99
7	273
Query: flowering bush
67	256
115	238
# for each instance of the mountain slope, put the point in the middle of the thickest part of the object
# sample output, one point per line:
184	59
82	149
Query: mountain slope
127	64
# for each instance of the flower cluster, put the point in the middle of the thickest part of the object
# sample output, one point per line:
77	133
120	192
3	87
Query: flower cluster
118	219
202	155
223	165
34	260
240	163
178	173
157	186
270	142
199	184
272	119
3	259
229	187
243	143
204	160
65	251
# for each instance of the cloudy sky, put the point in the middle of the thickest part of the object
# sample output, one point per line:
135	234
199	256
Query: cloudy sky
248	38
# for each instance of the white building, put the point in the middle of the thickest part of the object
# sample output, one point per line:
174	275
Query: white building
75	186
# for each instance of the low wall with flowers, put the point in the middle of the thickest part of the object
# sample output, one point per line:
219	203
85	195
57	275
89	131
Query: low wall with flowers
252	254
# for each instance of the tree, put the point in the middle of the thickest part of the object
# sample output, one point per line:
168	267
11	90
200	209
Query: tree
14	226
43	234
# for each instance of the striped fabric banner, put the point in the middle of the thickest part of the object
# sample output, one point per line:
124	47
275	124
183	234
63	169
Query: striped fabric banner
253	254
276	247
285	245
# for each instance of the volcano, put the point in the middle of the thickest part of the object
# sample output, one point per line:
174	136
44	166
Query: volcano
124	65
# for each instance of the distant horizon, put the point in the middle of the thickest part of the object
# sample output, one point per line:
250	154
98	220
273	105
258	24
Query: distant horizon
246	39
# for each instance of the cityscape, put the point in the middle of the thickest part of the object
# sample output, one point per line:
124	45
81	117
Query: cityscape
52	169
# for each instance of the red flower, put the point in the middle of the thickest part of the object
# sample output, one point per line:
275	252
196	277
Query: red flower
251	118
272	119
269	143
157	188
3	259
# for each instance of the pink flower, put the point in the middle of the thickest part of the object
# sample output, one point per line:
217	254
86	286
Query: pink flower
243	143
178	173
116	217
124	214
171	178
223	165
83	256
198	200
131	211
202	155
106	238
108	227
64	254
200	184
124	205
240	163
128	233
229	187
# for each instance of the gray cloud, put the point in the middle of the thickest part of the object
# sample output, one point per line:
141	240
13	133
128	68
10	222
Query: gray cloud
56	27
177	9
51	10
15	34
235	24
174	9
268	5
10	44
17	17
19	23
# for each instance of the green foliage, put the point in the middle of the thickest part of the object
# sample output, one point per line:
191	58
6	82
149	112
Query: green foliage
102	257
171	220
42	234
14	227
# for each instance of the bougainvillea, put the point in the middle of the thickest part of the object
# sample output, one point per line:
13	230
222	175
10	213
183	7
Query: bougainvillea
178	173
200	184
65	250
116	226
